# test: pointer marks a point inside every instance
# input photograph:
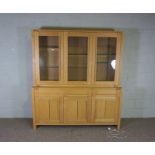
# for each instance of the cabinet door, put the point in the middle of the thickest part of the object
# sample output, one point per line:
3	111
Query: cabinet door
48	57
104	108
48	109
75	109
77	58
107	59
42	109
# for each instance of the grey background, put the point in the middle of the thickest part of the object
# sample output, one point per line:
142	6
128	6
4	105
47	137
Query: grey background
138	67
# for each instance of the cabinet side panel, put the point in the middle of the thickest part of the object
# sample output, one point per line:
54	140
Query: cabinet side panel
33	57
33	107
119	107
35	61
118	58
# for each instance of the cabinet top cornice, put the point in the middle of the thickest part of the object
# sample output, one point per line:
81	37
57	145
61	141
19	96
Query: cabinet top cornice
82	29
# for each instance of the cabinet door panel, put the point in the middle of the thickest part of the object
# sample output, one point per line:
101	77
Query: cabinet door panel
75	109
110	108
55	109
104	108
82	109
99	109
42	109
70	109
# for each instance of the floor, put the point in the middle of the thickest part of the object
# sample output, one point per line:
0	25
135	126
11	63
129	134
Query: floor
132	130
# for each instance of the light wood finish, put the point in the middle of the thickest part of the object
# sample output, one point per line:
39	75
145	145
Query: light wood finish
119	107
65	102
104	108
33	109
36	72
54	108
42	109
48	109
118	58
75	109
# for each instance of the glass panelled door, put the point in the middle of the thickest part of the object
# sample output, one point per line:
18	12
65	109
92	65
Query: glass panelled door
49	55
105	58
77	58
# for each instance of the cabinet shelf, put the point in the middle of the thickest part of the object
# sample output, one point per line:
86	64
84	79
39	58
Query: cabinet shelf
106	54
104	62
83	54
55	50
49	47
77	66
50	66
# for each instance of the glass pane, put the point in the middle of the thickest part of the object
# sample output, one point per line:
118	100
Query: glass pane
105	61
49	58
77	58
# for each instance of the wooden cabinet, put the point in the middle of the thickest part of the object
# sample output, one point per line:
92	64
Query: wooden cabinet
76	77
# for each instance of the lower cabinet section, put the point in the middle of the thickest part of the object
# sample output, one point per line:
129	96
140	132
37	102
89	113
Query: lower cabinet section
85	107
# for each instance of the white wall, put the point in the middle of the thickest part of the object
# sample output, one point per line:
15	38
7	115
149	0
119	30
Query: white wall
138	71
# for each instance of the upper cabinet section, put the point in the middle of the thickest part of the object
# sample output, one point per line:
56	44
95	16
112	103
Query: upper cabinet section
62	57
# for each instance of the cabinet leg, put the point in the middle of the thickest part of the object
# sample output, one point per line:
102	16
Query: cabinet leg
34	127
118	126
